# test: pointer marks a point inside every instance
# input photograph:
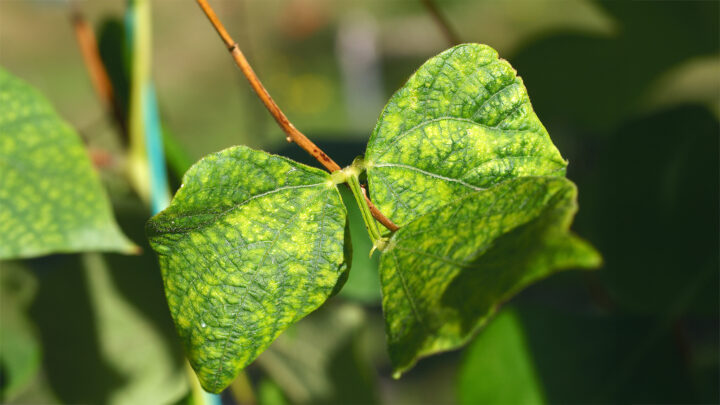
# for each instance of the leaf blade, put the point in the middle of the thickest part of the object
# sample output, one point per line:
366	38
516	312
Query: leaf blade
462	122
51	201
262	239
445	273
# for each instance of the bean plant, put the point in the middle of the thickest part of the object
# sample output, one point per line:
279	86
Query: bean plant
460	170
462	192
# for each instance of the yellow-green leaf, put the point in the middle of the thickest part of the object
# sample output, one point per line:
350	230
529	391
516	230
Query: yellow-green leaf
51	201
250	244
462	122
445	273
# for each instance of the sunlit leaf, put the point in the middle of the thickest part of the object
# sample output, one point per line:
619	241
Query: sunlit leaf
445	273
250	244
50	199
462	122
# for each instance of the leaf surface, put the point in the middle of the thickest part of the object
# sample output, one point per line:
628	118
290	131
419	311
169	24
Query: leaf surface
51	200
445	273
463	122
249	245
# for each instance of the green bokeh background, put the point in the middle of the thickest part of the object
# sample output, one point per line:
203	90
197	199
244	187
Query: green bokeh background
629	91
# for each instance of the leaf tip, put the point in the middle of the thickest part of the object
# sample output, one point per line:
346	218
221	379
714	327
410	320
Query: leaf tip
134	249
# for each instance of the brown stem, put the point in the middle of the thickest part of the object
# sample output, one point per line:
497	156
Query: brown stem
98	74
450	35
293	135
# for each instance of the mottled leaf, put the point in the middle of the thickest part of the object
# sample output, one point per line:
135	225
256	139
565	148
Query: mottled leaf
461	123
50	199
250	244
445	273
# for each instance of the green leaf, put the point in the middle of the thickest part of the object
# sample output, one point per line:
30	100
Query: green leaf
148	370
19	346
462	122
270	393
570	353
50	199
250	244
445	273
103	319
501	355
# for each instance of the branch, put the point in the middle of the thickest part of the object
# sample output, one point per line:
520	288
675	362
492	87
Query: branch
450	35
98	74
293	135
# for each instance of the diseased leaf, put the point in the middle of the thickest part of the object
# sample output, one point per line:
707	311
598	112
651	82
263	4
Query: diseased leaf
249	245
50	199
445	273
461	123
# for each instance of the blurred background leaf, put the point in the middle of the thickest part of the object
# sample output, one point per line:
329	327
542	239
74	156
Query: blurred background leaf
317	360
20	350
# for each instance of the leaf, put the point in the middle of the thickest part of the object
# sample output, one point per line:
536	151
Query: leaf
20	352
51	201
561	354
130	343
270	393
249	245
103	318
445	273
501	355
462	122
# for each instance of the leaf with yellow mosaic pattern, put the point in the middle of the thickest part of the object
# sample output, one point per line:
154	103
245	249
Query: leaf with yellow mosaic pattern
445	273
251	243
463	122
51	200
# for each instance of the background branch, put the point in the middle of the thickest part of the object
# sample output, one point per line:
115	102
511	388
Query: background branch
450	34
99	77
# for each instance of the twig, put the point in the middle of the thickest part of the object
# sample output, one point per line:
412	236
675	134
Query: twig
98	74
450	34
293	135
